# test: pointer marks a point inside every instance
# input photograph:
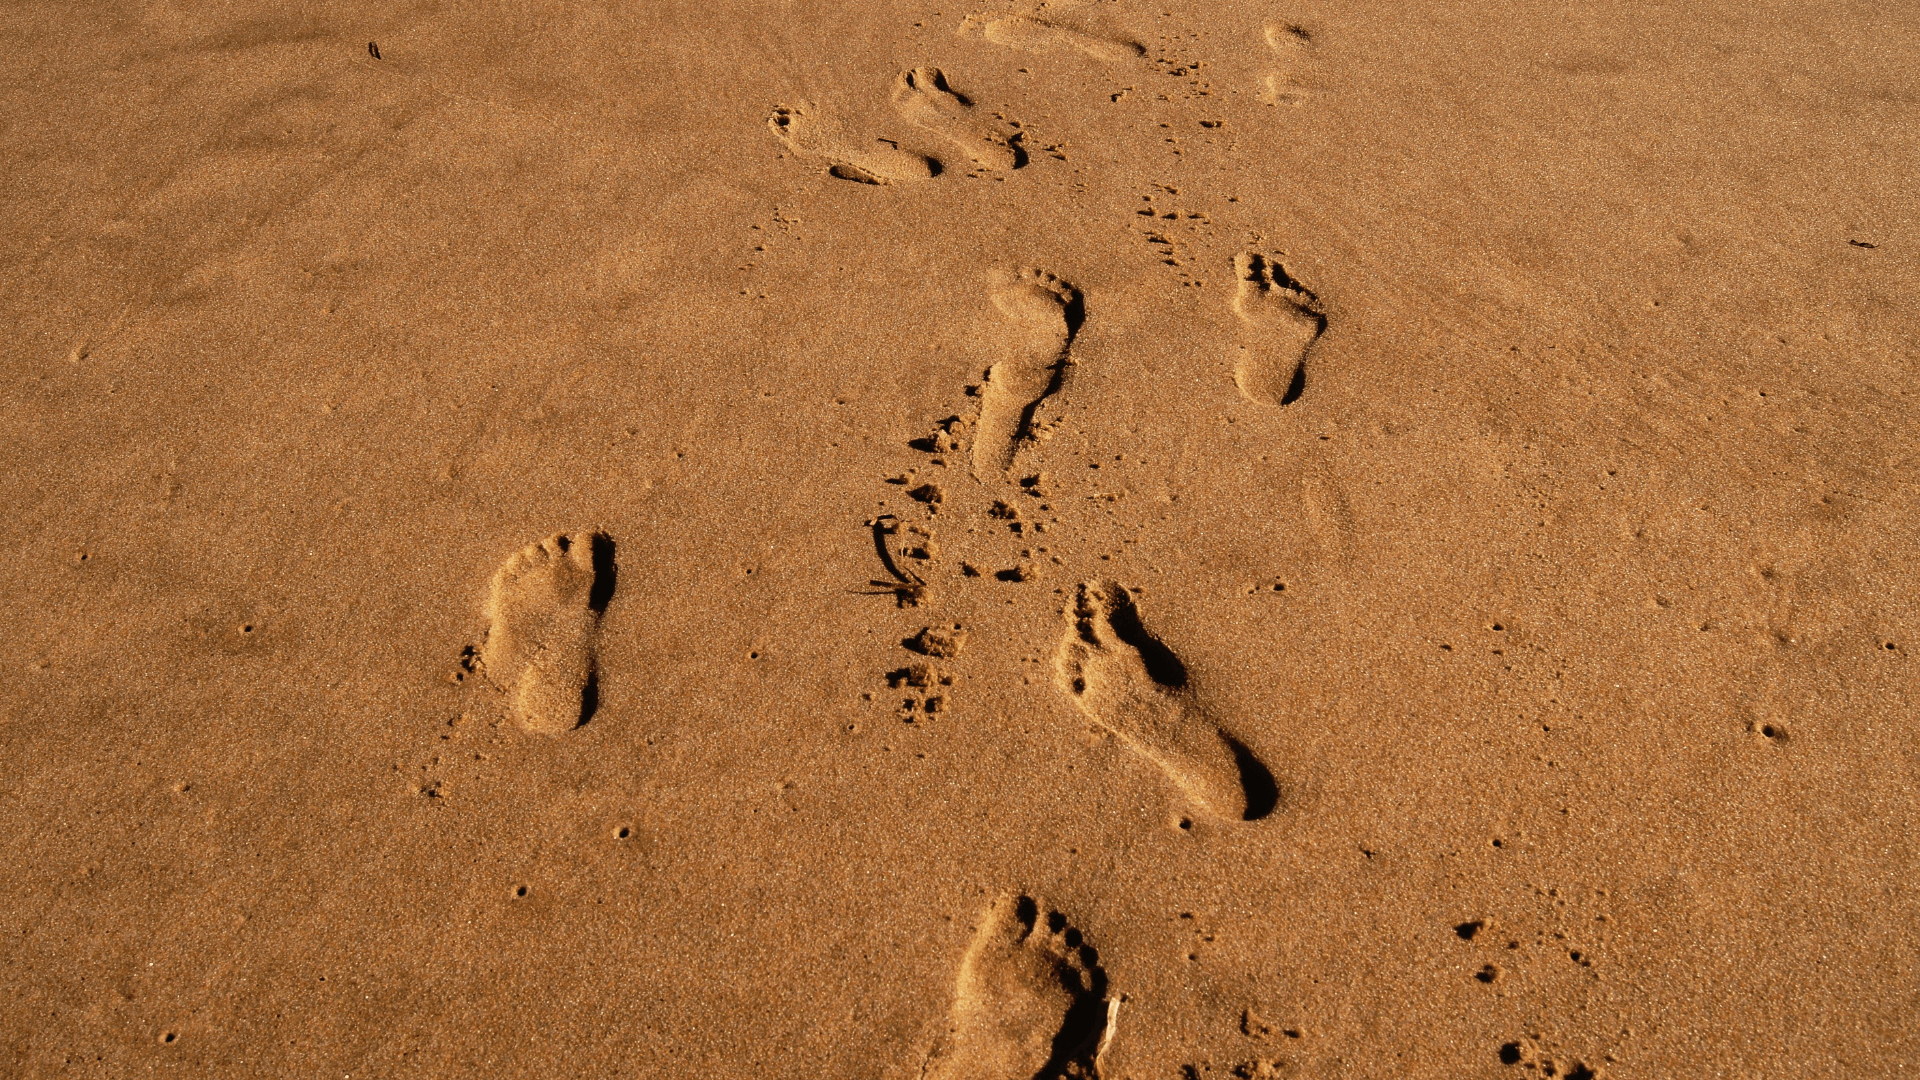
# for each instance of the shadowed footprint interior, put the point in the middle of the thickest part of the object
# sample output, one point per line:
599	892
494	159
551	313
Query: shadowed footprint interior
544	611
1029	1002
1130	683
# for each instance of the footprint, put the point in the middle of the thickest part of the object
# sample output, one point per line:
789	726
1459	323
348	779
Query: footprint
810	132
1283	37
1046	314
923	98
1279	89
1126	681
545	613
1037	35
1030	1001
1288	41
1272	369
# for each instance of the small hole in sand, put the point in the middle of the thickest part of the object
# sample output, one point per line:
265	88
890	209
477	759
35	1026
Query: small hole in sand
169	1036
1497	628
519	892
246	628
1185	824
1499	843
753	656
623	832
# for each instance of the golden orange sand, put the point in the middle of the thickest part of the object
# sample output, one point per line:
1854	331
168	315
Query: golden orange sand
986	443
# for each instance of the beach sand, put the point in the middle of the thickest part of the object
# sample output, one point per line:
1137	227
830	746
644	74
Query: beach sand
899	540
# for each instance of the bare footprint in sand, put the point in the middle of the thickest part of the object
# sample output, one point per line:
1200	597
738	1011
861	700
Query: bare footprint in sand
1040	36
1126	681
1291	44
923	98
1030	1001
1045	314
545	612
809	131
1283	321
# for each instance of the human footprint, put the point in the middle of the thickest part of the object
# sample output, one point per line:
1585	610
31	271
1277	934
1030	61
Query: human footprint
1122	677
1043	315
1283	321
544	609
1029	1002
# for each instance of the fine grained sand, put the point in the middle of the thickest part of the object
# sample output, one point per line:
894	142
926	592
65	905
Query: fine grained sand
896	541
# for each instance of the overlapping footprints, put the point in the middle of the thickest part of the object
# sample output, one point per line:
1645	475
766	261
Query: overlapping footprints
1109	665
1127	681
1281	319
1030	1000
811	131
1030	997
922	98
543	614
1044	314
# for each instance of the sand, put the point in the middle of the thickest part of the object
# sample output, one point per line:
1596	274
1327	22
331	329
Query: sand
908	541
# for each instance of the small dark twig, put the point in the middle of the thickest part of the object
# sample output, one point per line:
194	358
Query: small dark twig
884	526
907	587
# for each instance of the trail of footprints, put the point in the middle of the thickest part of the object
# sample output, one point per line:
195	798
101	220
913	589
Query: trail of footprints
922	98
1022	1006
1107	664
1030	997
